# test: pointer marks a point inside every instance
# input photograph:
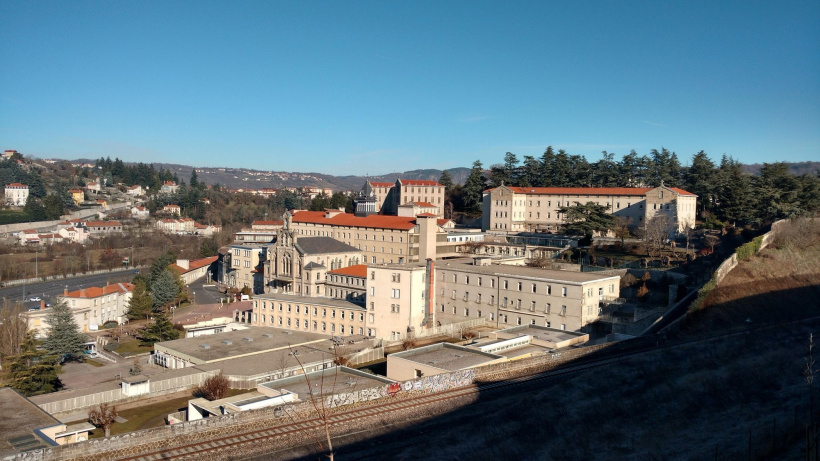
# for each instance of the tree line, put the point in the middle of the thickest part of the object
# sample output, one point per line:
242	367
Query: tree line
726	195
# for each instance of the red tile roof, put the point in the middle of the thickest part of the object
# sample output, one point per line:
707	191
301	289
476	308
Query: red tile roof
631	191
96	292
102	223
195	264
419	182
682	192
358	270
16	184
424	204
382	184
373	221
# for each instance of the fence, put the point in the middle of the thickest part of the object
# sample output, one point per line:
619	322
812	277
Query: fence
156	388
46	278
369	355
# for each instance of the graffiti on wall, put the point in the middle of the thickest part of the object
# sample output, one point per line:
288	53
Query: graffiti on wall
427	384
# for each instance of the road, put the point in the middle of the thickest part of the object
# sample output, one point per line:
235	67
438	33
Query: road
48	290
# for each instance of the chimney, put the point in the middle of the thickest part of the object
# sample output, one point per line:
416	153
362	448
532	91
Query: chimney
42	304
82	293
65	291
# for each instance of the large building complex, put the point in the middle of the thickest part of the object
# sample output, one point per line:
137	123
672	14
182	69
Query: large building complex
529	209
392	198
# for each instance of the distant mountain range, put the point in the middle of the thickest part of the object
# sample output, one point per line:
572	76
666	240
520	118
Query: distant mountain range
796	168
236	178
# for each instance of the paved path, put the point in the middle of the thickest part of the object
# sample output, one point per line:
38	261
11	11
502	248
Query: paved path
52	288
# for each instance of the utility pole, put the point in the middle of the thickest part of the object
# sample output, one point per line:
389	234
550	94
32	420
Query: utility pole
36	263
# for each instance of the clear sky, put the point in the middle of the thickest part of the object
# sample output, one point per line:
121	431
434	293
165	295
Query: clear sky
350	87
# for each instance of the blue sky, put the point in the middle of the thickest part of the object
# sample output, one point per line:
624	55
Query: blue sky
377	87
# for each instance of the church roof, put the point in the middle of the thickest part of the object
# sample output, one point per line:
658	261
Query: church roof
320	245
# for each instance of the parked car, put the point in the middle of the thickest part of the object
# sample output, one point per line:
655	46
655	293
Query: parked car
35	299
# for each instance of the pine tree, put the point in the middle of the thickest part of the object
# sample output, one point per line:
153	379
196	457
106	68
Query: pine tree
587	219
141	302
446	180
161	329
64	336
33	371
164	289
474	188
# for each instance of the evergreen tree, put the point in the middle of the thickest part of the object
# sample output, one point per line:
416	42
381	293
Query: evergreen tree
547	160
474	188
561	174
33	371
700	180
164	289
64	337
141	302
446	180
159	265
733	191
530	172
587	219
161	329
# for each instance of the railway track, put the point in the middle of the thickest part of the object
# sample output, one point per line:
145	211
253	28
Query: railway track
639	347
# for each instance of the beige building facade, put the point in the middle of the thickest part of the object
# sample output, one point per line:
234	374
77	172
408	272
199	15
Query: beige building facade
530	209
92	307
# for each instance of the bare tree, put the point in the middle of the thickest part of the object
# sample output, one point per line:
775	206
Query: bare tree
657	231
214	388
103	416
711	240
688	231
622	228
12	328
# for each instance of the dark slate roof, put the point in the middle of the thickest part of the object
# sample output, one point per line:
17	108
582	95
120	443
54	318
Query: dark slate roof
319	245
313	265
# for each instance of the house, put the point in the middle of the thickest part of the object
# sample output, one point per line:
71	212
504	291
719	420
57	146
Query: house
135	191
103	227
8	153
92	307
193	270
29	237
267	192
93	187
183	226
77	196
169	187
103	204
206	230
140	212
16	194
172	209
528	209
77	234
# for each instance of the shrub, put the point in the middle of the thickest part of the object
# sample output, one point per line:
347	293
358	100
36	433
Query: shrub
214	387
628	280
408	343
643	293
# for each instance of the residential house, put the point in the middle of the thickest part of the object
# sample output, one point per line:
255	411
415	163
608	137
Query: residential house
206	230
172	209
135	191
183	226
16	194
103	227
77	234
77	196
193	270
140	212
93	187
169	187
92	307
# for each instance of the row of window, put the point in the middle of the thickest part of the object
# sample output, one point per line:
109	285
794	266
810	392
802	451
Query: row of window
505	284
305	324
503	318
289	308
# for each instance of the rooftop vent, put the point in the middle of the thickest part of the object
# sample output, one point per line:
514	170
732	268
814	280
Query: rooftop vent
287	332
247	339
459	355
267	335
204	346
227	341
350	382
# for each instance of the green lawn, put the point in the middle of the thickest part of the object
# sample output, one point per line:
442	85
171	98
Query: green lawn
130	348
152	416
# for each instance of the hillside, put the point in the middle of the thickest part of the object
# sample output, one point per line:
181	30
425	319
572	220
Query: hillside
796	168
246	178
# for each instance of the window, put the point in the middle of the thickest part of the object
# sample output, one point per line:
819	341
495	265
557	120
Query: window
442	308
492	300
520	285
279	319
288	321
547	310
563	326
506	284
394	308
532	306
371	318
324	326
466	312
324	312
563	310
518	321
372	305
454	310
333	313
518	304
492	316
532	322
479	314
564	291
342	314
549	289
533	288
492	283
479	281
467	279
373	275
314	325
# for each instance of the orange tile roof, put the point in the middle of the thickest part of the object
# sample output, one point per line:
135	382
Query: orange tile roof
426	215
581	190
96	292
424	204
16	184
419	182
373	221
682	192
382	184
102	223
358	270
195	264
